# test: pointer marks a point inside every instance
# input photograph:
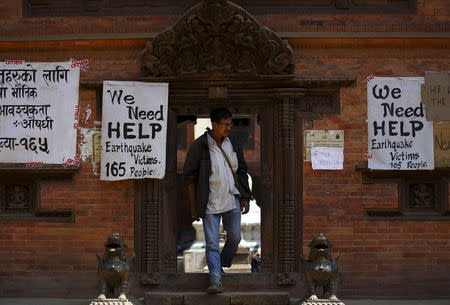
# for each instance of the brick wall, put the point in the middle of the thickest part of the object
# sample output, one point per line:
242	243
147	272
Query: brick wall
378	258
59	259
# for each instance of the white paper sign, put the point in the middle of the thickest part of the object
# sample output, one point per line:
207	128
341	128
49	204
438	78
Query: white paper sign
399	136
321	138
38	112
327	158
134	130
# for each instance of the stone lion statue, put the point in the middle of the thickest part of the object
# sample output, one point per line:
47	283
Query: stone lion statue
114	269
320	269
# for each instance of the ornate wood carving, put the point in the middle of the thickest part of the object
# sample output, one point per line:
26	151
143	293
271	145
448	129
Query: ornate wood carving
150	279
325	102
15	198
421	195
154	235
343	4
287	226
20	195
419	198
286	120
168	199
148	218
151	233
287	278
217	38
268	135
93	5
287	243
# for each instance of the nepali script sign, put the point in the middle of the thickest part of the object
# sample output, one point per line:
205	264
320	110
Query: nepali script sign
400	137
38	111
134	130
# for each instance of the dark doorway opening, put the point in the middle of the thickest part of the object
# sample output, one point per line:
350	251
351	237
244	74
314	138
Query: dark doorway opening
190	243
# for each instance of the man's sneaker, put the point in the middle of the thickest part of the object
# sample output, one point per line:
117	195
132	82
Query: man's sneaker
215	287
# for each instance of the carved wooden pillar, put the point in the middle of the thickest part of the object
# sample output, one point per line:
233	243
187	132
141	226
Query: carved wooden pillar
266	199
157	218
287	199
169	201
150	230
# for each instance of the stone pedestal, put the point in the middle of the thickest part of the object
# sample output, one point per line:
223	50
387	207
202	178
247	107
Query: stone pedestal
322	302
110	302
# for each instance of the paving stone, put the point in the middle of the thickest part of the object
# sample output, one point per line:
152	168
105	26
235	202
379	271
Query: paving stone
163	298
207	299
259	298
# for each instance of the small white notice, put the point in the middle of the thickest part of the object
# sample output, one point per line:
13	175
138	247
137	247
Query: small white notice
321	138
328	158
134	130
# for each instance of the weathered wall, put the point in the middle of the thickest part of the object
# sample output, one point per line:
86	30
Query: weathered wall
378	258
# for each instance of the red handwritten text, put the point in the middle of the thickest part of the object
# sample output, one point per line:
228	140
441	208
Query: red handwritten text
14	62
34	164
367	156
76	161
76	116
83	64
368	79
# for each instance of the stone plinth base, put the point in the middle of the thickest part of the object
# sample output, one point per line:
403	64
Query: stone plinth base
322	302
226	298
110	302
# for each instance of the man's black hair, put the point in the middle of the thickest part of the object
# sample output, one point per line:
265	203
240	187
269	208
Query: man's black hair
220	113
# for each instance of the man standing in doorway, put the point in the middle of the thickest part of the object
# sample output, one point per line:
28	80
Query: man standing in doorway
216	175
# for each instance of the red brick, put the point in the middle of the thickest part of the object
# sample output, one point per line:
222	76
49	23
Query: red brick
374	255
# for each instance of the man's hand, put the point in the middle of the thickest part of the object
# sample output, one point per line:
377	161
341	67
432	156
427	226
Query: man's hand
191	198
245	206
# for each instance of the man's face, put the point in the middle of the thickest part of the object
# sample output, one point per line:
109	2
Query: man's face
223	128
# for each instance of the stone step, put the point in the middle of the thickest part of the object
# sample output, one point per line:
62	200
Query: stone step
226	298
238	268
67	301
235	268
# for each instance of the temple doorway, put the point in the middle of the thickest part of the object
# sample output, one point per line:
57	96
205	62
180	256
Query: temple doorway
218	55
190	237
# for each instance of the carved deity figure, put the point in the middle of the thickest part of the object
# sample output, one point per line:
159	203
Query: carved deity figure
217	38
421	196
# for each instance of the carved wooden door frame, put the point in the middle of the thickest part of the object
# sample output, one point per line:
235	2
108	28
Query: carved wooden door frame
282	106
218	54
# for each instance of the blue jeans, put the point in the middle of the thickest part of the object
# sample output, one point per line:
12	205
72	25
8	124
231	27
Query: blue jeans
232	224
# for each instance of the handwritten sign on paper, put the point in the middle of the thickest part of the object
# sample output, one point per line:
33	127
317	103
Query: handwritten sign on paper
441	143
436	96
399	135
328	158
38	112
321	138
134	130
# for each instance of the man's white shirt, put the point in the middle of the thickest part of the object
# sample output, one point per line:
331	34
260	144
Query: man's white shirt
222	189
